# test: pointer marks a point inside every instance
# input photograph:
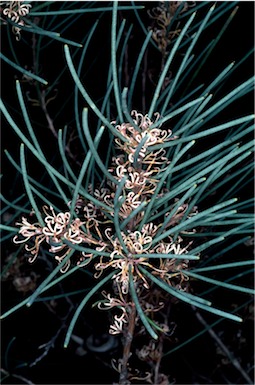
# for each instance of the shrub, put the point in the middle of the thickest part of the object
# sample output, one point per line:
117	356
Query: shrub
145	190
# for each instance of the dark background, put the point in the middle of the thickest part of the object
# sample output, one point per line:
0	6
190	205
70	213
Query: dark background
199	362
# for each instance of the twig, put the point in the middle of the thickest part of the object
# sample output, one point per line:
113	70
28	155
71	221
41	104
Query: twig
126	72
223	347
160	347
123	380
51	125
157	365
48	118
43	102
47	346
25	380
144	78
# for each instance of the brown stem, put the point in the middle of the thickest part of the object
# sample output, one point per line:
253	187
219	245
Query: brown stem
144	77
42	98
41	94
34	54
157	365
126	67
48	118
123	380
161	346
223	347
51	125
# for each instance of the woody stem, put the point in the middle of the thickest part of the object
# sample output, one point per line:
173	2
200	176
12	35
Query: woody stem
123	380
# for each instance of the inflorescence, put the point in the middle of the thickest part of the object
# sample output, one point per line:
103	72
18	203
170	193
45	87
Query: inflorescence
93	227
15	11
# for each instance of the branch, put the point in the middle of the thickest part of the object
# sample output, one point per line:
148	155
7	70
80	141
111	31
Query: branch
223	347
127	347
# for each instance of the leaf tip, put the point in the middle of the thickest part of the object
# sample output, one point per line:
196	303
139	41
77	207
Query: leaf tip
213	7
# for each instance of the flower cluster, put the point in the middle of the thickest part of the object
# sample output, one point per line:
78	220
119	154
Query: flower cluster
163	16
15	10
131	247
137	243
138	162
58	228
119	303
141	131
